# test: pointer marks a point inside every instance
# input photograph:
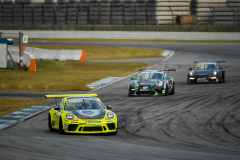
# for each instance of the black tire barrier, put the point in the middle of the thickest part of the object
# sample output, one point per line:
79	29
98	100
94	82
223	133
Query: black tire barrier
61	1
71	5
7	10
72	9
48	1
71	13
48	10
27	1
82	18
61	9
49	14
27	9
27	14
48	18
71	22
83	5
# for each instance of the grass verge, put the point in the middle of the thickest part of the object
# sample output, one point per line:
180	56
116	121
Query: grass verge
8	106
64	76
128	40
106	53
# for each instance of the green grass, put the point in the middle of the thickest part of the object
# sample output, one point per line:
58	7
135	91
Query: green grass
64	76
128	40
106	53
8	106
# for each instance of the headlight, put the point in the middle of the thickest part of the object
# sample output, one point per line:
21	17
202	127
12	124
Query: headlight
69	116
191	74
110	115
214	73
160	83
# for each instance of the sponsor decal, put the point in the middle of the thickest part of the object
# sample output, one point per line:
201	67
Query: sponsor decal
66	127
53	123
74	122
144	89
89	113
202	78
93	121
76	119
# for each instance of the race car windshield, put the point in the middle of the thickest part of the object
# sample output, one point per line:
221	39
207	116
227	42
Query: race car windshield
155	76
204	66
83	104
142	76
149	76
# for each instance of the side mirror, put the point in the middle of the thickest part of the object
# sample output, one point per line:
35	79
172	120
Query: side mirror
132	78
221	68
57	108
190	69
109	107
168	77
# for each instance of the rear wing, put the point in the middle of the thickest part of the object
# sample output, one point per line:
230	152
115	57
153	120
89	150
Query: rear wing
140	70
210	61
70	95
220	61
172	69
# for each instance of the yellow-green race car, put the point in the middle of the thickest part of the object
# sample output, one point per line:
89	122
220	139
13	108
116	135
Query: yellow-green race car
82	113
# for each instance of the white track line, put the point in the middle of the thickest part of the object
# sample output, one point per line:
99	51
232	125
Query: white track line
131	74
168	56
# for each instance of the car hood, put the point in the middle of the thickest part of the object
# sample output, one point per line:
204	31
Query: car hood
203	72
144	82
89	114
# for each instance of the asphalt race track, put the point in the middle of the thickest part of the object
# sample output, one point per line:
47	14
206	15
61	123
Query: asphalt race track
201	121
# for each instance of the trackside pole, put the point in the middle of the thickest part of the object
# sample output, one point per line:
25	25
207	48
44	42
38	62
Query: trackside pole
20	49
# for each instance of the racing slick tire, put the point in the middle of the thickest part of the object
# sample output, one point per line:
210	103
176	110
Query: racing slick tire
61	131
220	79
50	123
224	78
173	89
166	91
129	93
189	81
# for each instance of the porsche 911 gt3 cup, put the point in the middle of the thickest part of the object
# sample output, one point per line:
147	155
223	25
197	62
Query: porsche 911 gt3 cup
151	83
83	113
206	71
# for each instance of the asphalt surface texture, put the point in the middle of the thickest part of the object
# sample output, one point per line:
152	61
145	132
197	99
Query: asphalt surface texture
201	121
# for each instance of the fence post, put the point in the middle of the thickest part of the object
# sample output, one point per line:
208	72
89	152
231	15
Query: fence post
212	10
144	26
192	22
95	22
234	19
152	21
133	18
172	18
